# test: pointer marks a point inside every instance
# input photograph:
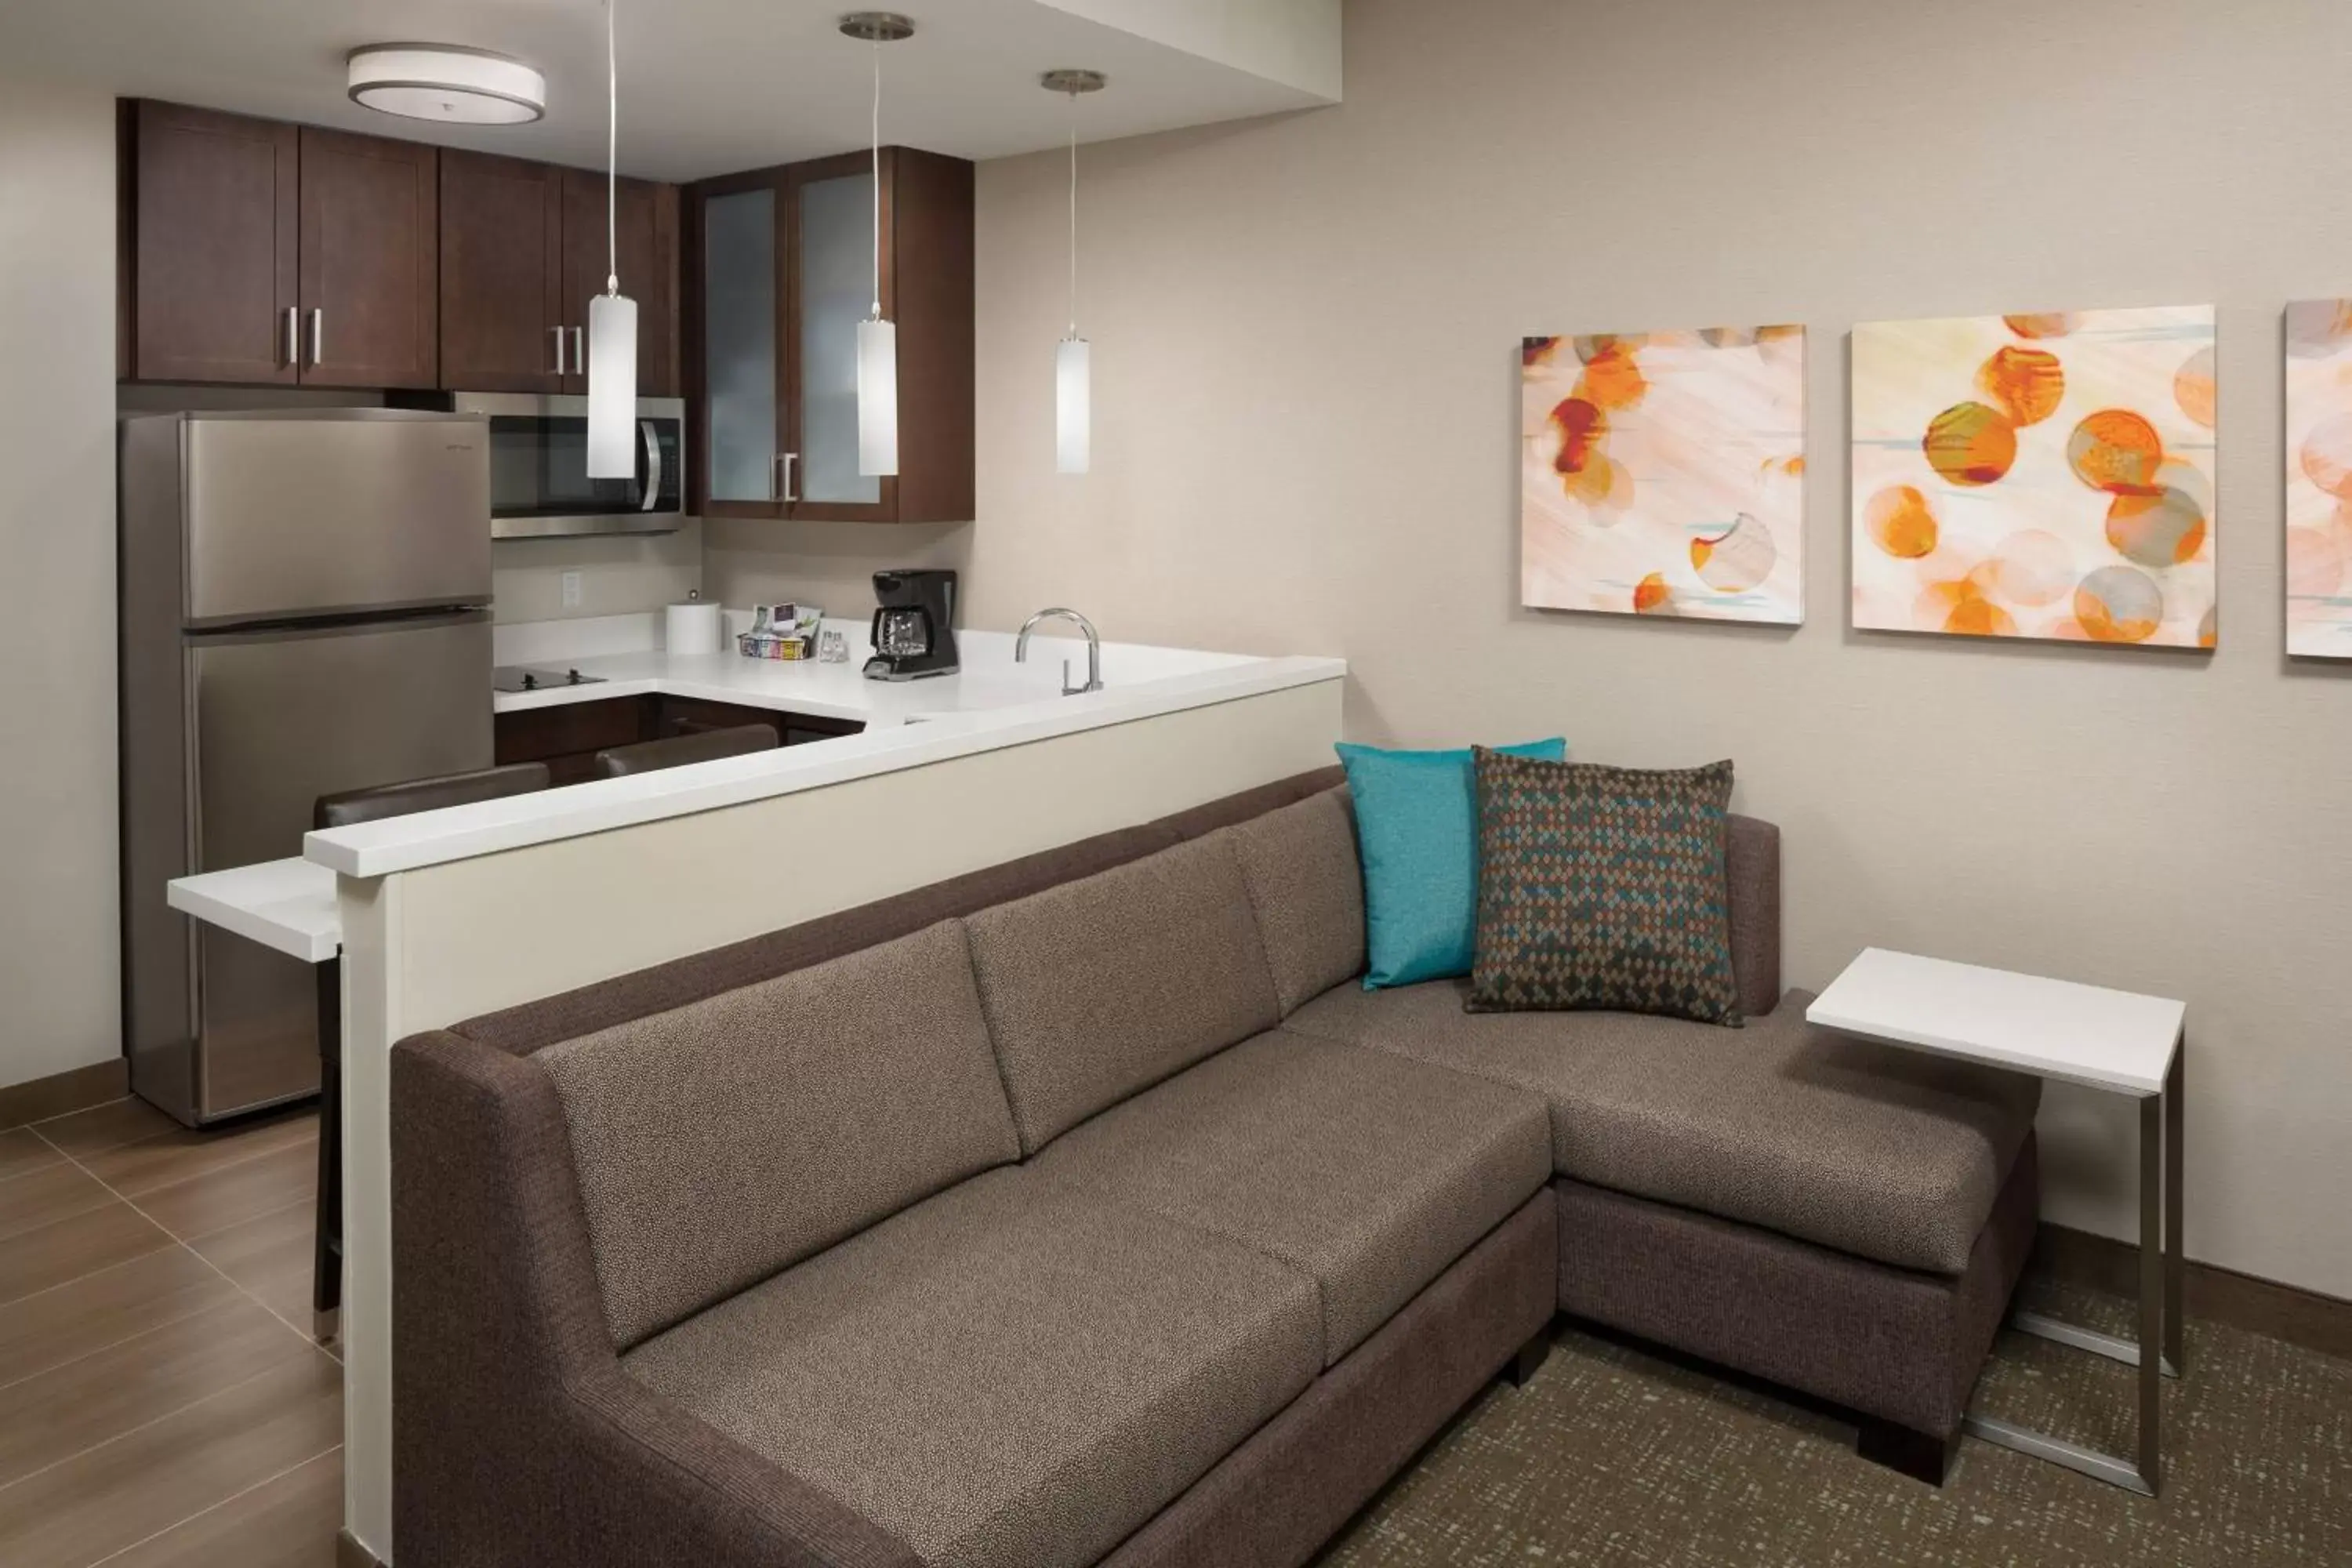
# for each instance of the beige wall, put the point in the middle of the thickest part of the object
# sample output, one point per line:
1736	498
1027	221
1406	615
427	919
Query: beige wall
1304	333
59	1002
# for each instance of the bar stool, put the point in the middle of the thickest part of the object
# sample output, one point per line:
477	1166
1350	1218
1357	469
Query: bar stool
343	810
678	751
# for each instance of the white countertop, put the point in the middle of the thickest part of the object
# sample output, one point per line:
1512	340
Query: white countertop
287	905
992	703
2116	1040
989	679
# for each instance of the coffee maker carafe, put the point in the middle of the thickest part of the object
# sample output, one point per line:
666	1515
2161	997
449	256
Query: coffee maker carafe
914	625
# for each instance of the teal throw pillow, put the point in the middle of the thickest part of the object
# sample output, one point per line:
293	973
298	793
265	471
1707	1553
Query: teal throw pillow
1417	830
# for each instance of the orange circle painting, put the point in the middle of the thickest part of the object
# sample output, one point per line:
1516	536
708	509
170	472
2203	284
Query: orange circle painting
2048	324
2115	450
1581	426
1901	522
1662	473
2033	568
2027	383
2326	457
2162	529
2050	475
1970	444
2119	604
2193	387
1612	379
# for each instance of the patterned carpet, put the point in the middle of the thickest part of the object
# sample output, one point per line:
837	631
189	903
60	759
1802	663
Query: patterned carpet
1612	1456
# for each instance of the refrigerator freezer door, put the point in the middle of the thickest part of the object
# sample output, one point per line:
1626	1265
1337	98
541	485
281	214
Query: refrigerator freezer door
280	719
334	511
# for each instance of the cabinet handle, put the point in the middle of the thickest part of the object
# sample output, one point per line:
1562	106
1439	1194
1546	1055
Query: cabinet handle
293	337
579	352
558	349
318	335
782	489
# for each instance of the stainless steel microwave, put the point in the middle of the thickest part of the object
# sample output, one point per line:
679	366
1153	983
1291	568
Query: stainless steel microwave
539	487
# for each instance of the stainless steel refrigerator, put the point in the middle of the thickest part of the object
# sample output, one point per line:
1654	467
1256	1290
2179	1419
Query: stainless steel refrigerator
304	609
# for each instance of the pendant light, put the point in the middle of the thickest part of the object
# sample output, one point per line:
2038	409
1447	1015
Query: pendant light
877	339
612	315
1073	356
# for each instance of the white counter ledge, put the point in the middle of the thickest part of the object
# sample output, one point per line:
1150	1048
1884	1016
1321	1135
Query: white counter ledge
910	725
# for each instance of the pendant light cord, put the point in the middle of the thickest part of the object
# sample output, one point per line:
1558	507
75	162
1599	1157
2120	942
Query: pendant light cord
612	151
877	179
1073	215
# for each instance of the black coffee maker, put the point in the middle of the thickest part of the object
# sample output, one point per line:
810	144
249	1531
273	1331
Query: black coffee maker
914	625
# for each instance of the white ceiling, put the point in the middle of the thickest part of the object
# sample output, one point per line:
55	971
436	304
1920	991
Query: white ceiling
706	86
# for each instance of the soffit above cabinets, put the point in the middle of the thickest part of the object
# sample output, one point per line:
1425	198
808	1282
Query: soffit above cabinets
713	86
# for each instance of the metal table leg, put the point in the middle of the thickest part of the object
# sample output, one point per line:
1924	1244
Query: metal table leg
2160	1271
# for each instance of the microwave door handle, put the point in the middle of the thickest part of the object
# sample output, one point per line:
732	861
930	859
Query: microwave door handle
652	439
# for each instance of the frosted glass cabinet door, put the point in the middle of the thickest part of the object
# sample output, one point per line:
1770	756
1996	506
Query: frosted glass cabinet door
738	248
836	293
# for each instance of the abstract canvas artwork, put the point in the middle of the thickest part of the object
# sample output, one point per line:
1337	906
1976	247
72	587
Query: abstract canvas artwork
2319	479
1664	473
2042	476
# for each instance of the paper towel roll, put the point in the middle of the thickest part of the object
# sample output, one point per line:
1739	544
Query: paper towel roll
691	628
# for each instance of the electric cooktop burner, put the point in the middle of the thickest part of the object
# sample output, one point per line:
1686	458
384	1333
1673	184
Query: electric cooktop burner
537	677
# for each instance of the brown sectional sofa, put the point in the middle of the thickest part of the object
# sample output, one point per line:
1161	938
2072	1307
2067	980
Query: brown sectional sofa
1086	1209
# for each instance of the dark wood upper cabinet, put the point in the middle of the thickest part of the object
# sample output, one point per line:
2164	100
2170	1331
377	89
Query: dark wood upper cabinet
780	268
502	316
213	210
645	232
369	261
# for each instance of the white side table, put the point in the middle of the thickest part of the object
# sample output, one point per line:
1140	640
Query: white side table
2112	1041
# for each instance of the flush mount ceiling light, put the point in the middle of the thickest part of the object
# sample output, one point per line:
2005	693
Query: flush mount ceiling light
448	84
1073	356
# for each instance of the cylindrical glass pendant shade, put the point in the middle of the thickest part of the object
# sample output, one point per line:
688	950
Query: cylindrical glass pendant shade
878	397
1072	406
612	387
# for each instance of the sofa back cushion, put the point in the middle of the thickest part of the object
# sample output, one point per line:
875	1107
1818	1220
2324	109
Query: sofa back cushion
1306	889
719	1142
1102	987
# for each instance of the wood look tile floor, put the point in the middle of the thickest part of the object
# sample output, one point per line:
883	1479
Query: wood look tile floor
162	1401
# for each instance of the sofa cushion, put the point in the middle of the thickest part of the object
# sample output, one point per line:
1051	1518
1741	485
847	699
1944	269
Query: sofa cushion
1306	889
1369	1172
720	1141
1100	987
1011	1375
1890	1154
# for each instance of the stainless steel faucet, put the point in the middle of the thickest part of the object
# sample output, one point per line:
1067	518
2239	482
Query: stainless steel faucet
1094	648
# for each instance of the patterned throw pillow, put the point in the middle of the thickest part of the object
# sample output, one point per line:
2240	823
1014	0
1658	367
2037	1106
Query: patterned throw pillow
1602	888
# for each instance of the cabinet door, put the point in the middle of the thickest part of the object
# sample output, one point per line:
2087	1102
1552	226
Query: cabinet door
737	325
645	234
215	212
371	218
833	286
501	274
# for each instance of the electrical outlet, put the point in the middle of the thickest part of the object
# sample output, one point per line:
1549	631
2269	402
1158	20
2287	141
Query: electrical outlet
572	590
